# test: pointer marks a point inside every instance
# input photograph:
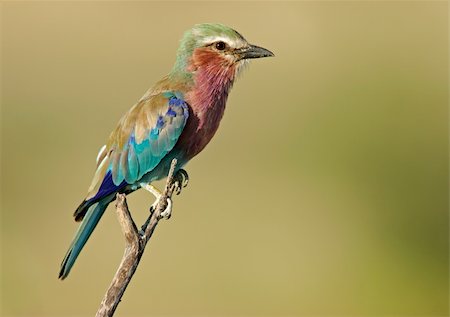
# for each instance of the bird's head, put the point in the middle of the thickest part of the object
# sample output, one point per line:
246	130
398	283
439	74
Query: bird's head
215	48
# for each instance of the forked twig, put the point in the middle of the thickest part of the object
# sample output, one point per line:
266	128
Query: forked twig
135	242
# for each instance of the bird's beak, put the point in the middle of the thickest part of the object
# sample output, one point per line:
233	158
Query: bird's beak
253	51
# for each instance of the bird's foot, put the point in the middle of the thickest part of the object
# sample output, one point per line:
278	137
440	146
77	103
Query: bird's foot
180	180
167	212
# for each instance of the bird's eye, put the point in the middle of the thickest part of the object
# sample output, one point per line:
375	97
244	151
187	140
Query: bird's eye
220	45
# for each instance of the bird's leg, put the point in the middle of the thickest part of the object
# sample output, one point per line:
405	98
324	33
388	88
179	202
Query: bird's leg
180	180
157	193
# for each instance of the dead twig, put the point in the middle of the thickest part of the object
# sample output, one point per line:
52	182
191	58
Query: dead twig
135	242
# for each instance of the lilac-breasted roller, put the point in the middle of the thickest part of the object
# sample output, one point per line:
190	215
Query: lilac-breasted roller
174	119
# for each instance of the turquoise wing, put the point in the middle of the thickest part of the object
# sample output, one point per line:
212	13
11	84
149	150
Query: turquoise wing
145	135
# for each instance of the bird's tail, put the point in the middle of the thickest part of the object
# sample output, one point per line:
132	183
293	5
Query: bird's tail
90	220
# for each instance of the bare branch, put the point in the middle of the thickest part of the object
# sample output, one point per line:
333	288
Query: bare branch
135	243
126	221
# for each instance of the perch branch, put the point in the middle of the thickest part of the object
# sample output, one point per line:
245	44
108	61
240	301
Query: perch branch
135	242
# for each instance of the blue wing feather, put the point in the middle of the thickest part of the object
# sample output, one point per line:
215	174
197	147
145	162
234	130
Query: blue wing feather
108	187
139	158
162	119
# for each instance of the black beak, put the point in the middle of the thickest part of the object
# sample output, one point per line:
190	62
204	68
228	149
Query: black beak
253	51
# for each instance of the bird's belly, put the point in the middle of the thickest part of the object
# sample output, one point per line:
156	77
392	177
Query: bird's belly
196	138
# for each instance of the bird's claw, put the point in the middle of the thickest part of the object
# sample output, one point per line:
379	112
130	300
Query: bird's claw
167	212
180	180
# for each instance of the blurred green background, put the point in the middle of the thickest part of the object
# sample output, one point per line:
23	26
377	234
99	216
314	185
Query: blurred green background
325	191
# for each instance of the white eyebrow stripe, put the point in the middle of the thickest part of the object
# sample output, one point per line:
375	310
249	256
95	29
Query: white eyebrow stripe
230	42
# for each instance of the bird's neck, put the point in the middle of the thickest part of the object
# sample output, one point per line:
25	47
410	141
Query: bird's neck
209	81
212	78
210	90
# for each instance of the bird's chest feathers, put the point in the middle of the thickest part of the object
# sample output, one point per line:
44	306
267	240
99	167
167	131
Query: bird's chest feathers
213	78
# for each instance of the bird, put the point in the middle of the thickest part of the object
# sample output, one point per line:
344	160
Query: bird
175	119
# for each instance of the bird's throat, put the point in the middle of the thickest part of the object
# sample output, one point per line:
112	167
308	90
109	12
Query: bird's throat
212	81
213	77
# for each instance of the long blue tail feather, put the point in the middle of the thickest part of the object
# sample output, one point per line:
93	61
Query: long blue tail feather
90	220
